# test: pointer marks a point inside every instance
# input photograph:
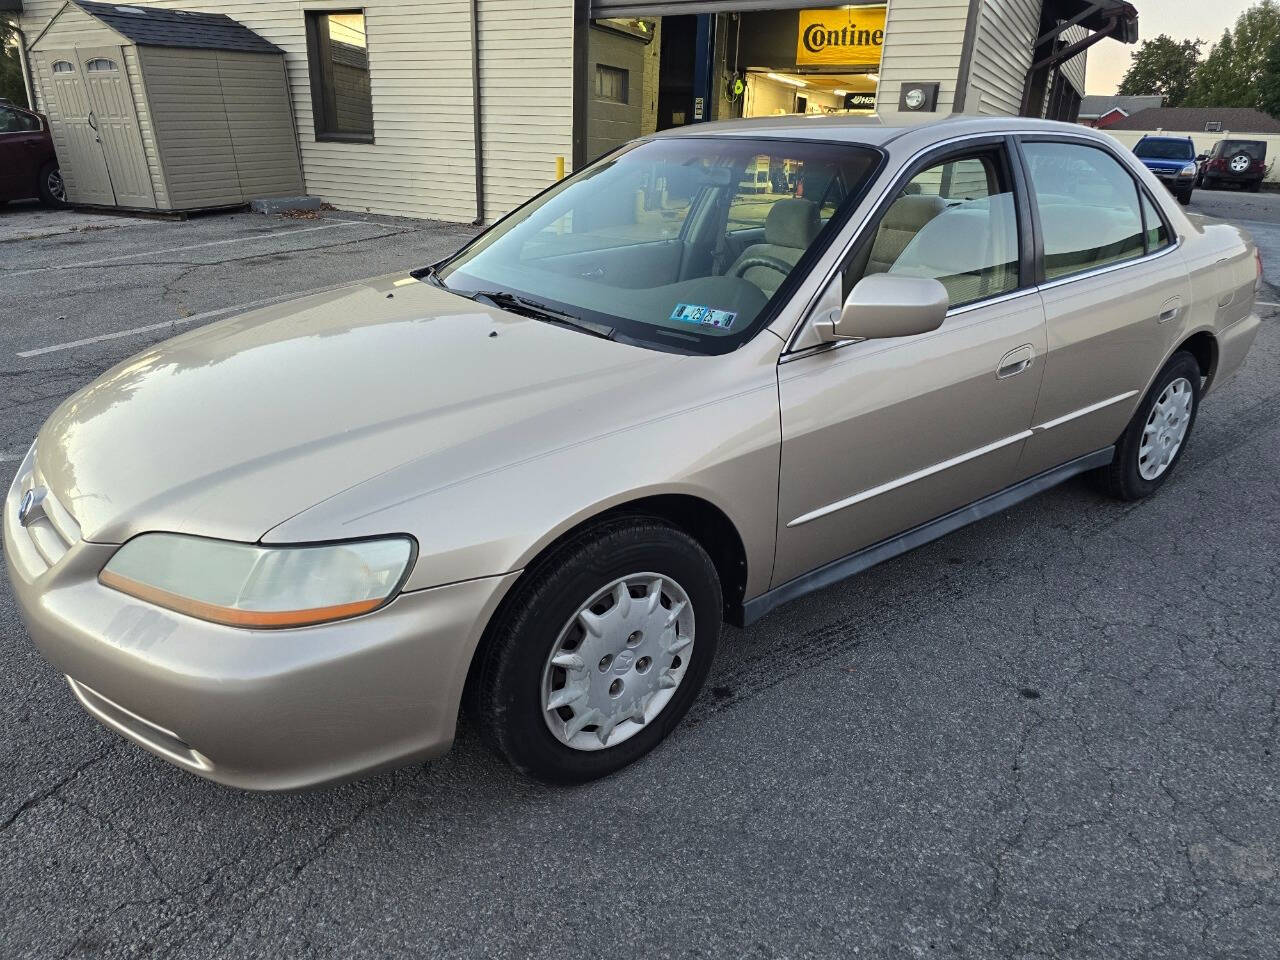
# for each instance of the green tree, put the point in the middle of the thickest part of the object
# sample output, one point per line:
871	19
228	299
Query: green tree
1269	86
1164	66
11	85
1233	73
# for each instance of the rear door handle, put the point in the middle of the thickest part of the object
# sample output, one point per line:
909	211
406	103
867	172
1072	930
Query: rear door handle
1015	361
1169	310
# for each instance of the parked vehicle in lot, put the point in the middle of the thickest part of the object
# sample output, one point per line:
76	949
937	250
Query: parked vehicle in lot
1239	162
536	477
28	164
1173	161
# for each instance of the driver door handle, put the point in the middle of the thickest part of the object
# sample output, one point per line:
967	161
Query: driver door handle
1015	361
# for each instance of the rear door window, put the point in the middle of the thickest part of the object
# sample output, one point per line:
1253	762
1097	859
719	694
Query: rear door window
1088	206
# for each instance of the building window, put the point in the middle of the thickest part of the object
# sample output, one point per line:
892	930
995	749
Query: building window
63	66
611	83
338	56
100	64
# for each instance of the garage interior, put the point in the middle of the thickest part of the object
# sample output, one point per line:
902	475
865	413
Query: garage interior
651	73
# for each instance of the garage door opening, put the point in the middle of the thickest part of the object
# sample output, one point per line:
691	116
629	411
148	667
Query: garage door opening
643	74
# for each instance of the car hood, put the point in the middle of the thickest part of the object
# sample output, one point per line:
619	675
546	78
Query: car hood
234	428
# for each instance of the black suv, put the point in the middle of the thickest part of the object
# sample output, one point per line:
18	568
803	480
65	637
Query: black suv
1242	162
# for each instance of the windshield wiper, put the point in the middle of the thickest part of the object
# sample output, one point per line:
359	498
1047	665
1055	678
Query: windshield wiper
504	300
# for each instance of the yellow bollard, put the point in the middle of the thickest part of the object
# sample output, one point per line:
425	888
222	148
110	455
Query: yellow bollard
559	168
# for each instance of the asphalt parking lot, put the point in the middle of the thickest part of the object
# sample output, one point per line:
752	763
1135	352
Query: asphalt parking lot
1052	734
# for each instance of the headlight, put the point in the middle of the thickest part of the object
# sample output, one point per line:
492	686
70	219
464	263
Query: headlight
245	585
1188	171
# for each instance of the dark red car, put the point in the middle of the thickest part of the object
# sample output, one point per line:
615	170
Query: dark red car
28	165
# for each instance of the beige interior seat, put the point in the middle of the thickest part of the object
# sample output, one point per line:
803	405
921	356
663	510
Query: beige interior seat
971	248
789	228
905	218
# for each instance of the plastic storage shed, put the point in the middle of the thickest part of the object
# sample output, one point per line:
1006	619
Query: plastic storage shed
165	109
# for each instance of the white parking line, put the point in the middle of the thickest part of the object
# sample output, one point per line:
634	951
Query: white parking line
1263	303
191	246
175	322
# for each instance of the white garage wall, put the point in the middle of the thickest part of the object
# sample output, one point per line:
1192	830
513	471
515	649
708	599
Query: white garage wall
422	162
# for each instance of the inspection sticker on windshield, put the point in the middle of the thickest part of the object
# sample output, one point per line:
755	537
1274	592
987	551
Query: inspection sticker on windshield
703	316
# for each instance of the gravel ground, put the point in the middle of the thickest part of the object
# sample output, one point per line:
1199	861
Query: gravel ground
1050	734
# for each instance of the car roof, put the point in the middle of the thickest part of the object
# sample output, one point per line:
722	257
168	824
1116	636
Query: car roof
870	130
1160	136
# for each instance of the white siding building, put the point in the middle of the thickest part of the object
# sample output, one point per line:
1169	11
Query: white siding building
454	109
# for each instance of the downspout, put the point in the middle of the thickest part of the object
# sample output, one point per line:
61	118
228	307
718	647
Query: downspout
24	64
477	129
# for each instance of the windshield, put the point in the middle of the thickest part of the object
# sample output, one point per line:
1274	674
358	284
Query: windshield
679	243
1165	150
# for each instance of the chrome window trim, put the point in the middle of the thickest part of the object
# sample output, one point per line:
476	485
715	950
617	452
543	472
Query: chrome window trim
1110	267
807	312
953	312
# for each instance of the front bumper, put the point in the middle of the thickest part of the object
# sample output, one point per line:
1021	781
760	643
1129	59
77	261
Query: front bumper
262	710
1174	182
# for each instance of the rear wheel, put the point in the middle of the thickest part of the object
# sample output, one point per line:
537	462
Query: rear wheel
53	190
1152	444
601	651
1255	186
1208	183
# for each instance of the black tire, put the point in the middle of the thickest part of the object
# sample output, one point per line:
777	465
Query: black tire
1255	186
1121	477
51	187
1184	197
506	688
1208	183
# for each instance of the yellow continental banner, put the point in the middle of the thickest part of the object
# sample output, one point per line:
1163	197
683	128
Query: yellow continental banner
848	37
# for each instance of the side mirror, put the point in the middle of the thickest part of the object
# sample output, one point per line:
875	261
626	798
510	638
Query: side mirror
888	305
1202	156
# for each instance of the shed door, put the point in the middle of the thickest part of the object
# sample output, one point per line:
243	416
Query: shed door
116	121
80	156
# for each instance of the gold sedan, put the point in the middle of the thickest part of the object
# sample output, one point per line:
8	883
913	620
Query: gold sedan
534	479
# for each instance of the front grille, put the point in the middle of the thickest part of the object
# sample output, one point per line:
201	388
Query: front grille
51	531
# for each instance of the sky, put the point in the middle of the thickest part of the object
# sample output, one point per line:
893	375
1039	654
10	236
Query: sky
1180	19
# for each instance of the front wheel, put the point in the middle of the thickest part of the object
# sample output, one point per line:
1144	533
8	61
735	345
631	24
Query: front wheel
53	189
1152	444
1184	197
1255	186
600	651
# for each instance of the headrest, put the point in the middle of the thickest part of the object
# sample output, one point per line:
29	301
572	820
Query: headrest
913	211
792	222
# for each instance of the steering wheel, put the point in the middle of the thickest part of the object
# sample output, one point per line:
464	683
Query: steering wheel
763	260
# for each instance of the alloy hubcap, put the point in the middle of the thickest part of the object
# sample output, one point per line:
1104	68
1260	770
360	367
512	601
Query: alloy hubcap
618	661
1166	429
57	189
